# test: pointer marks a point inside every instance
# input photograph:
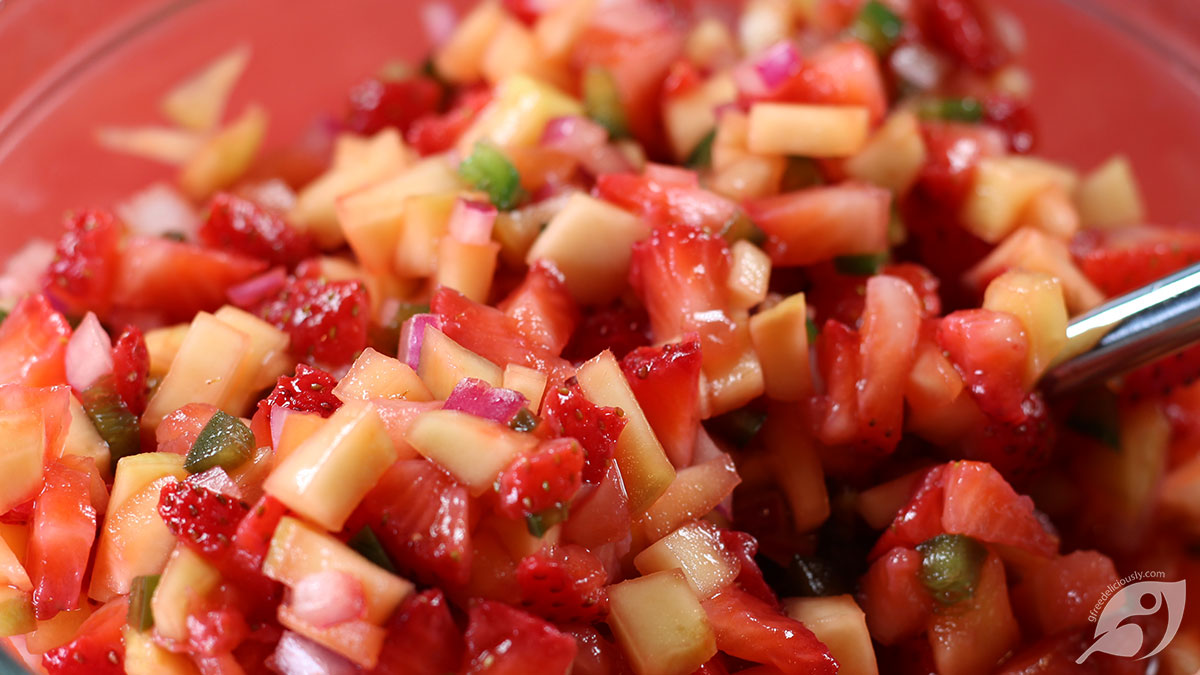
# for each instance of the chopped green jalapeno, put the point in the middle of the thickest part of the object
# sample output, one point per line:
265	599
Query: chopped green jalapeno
487	169
141	593
950	566
860	265
112	419
367	544
877	26
225	442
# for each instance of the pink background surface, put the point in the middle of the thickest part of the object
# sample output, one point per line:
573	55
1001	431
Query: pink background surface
1100	86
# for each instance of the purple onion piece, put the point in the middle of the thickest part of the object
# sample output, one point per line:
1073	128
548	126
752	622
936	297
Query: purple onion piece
412	336
481	399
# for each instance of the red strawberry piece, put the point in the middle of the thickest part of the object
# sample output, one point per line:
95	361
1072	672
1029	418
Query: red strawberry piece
1015	449
954	149
422	638
326	320
596	654
988	349
919	519
503	640
1119	261
175	279
682	78
981	504
131	366
216	631
664	203
1162	376
309	390
377	104
422	517
203	520
597	428
61	533
240	226
493	335
542	308
564	584
434	133
253	535
750	629
963	31
714	666
547	478
923	282
98	647
840	73
178	431
666	382
834	295
1013	117
895	601
744	547
33	344
80	278
835	413
617	328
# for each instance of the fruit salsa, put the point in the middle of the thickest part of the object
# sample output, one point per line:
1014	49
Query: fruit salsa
619	336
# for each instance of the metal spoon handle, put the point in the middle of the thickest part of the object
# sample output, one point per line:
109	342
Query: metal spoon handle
1132	330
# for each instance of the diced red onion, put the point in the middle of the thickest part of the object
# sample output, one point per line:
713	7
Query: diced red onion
297	655
471	221
586	142
749	82
439	21
278	416
777	64
89	354
217	480
328	598
918	65
481	399
253	291
412	335
158	210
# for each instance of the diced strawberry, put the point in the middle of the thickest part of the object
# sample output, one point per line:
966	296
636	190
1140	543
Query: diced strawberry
1119	261
422	638
596	654
435	133
377	104
326	320
922	281
981	504
61	534
989	350
744	547
963	31
547	478
953	151
597	428
177	279
683	77
80	278
893	598
664	204
526	11
503	640
1059	654
309	390
680	273
820	223
216	631
203	520
1160	377
564	584
835	413
253	535
98	647
617	328
920	518
841	73
33	344
1013	117
834	295
666	382
178	431
542	308
1059	595
890	327
422	518
131	366
1016	449
750	629
493	335
716	666
54	404
239	225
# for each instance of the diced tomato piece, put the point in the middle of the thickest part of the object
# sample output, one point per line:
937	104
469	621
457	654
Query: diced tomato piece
503	640
205	521
989	349
750	629
434	133
238	225
422	518
326	320
617	328
178	431
98	647
80	278
1058	595
422	638
978	631
131	367
835	413
309	390
666	382
547	478
896	603
596	654
667	202
377	104
542	308
842	73
981	504
564	584
818	224
890	327
61	534
33	344
177	279
962	29
1119	261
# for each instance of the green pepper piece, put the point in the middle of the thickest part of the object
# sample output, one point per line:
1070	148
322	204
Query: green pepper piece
602	101
367	544
112	419
950	566
862	265
141	593
225	442
524	421
701	155
3	316
878	26
964	109
487	169
813	331
541	522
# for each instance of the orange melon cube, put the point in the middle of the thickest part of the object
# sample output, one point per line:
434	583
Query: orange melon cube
444	363
205	370
696	550
374	375
470	448
780	338
841	625
660	625
357	640
21	456
528	382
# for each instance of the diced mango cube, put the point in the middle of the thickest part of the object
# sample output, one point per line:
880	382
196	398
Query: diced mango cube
689	117
472	449
16	612
163	344
822	131
696	549
185	583
144	656
204	371
375	375
21	456
461	58
841	625
518	114
426	218
528	382
1109	195
660	625
225	156
893	156
780	337
84	441
1003	187
1036	299
467	268
444	363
